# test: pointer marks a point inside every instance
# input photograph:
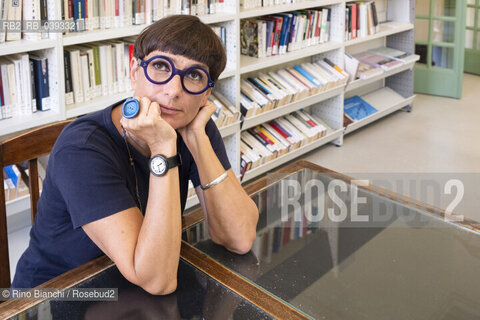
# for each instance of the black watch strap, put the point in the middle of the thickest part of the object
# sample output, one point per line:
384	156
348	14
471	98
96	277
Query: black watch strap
174	161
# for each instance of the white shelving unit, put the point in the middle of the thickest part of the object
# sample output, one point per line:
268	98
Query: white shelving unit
12	47
250	64
101	35
388	92
299	5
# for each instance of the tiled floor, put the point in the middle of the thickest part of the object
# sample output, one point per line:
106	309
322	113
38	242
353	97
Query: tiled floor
439	136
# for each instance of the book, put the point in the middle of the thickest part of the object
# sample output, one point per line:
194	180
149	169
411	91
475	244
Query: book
248	107
342	73
69	99
44	17
42	90
249	43
79	14
374	15
396	54
3	17
235	114
347	120
366	71
348	24
7	71
357	108
14	13
377	60
285	32
371	26
218	116
23	89
75	68
31	12
351	66
85	76
353	20
362	22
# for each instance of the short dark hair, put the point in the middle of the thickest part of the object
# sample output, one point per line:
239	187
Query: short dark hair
184	35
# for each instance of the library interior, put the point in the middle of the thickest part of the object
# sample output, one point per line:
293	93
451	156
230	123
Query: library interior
346	122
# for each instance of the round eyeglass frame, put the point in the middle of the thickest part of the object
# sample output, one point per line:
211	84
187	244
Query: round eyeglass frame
144	64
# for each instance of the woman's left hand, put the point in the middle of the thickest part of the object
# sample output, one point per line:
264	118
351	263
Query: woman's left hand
197	126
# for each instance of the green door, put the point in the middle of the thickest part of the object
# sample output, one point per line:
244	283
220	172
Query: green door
472	37
439	40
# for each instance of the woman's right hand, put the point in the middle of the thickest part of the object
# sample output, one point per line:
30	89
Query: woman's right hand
150	127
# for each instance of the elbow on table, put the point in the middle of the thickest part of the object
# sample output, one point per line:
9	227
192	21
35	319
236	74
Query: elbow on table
161	288
242	246
241	249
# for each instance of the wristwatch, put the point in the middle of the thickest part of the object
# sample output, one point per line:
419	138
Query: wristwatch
159	164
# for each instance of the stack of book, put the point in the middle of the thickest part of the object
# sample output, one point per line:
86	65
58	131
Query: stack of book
28	16
270	140
281	33
361	20
96	69
395	54
277	88
106	14
24	86
226	112
368	64
378	61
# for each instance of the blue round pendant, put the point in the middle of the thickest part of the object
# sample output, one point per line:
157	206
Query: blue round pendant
130	108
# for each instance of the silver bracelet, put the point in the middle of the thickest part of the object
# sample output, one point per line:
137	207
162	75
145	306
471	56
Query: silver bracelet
220	178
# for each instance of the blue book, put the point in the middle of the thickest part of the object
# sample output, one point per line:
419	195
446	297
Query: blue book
357	108
307	75
282	47
292	31
79	14
10	173
40	74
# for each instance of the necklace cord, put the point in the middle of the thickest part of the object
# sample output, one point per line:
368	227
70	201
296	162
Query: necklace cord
132	164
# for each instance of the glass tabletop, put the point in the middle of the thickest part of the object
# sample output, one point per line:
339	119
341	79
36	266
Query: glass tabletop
196	297
335	251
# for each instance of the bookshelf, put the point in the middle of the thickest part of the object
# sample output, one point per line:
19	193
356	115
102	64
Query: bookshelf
388	92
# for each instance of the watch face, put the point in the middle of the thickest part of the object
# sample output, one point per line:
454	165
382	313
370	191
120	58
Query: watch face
158	165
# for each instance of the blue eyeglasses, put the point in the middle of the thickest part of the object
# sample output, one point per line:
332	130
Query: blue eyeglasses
160	70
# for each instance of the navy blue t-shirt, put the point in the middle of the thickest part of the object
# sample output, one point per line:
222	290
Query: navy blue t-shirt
89	177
